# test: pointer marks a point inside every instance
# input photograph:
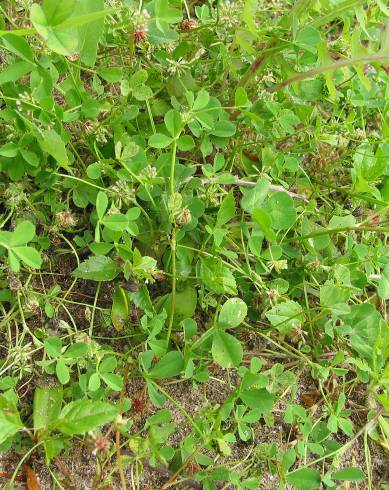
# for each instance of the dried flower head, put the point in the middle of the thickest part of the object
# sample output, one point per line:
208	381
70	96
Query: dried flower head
102	444
73	56
188	25
184	217
139	36
141	26
14	282
65	219
373	217
88	126
32	305
138	404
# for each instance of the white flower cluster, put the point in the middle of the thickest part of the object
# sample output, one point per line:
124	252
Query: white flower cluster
230	12
141	21
26	98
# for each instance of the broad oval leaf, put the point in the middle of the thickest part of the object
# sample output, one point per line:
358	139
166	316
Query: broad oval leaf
305	479
349	474
170	365
120	310
232	313
159	140
46	406
82	416
227	351
99	268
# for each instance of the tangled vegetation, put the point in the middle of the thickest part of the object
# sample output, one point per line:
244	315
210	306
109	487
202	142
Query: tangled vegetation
194	258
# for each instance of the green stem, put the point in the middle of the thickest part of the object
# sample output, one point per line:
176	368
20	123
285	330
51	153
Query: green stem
172	167
379	57
173	243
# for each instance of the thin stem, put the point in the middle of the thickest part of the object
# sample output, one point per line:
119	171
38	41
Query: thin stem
92	319
173	244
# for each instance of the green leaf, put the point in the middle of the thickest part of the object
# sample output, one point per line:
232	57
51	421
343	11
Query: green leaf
47	406
138	78
258	398
304	479
47	18
159	140
157	399
186	302
18	46
201	101
232	313
99	268
9	150
111	74
383	284
10	422
23	233
113	381
57	12
89	35
364	323
185	142
249	14
227	351
217	276
13	72
280	206
94	382
286	316
263	219
170	365
81	416
101	204
349	474
173	122
52	143
253	198
165	14
79	349
308	38
62	372
29	256
224	129
227	209
53	346
120	309
115	222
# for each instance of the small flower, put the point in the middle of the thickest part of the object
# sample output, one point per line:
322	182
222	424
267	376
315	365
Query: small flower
14	282
373	217
158	276
175	203
141	26
139	36
279	265
138	404
124	191
188	25
184	217
73	56
149	172
273	295
88	126
65	219
14	195
102	444
32	305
